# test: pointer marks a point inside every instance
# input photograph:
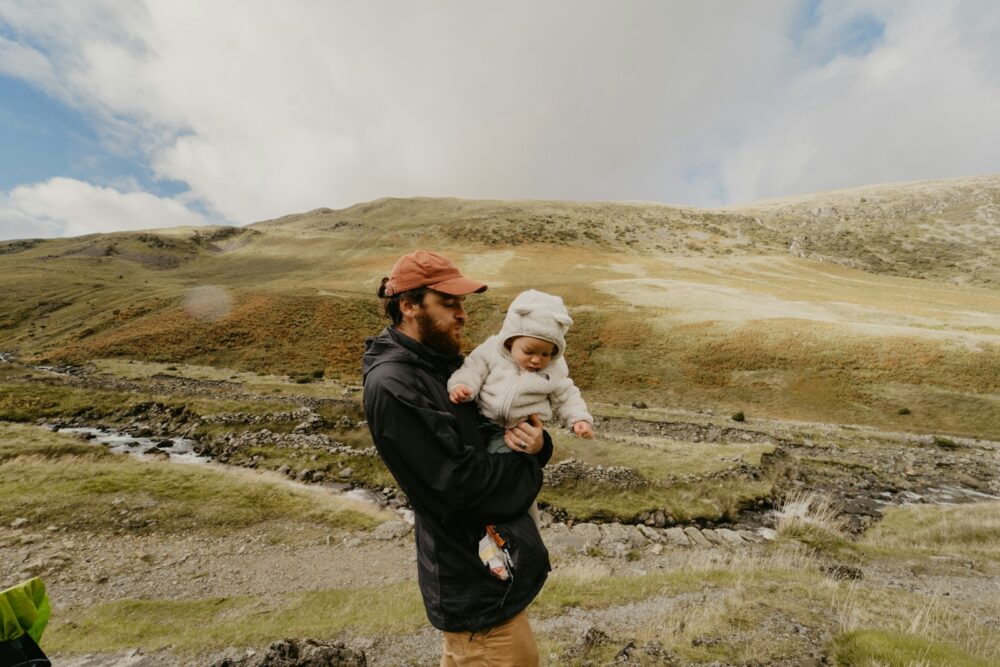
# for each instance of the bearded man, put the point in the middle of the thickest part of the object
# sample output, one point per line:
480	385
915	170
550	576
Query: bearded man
480	558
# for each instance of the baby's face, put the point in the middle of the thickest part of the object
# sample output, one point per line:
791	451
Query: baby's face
531	354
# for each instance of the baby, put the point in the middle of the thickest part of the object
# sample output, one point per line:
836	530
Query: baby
521	371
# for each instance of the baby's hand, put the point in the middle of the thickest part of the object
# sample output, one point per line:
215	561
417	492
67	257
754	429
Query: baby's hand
460	393
583	429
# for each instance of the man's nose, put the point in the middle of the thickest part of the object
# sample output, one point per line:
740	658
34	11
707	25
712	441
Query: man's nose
460	313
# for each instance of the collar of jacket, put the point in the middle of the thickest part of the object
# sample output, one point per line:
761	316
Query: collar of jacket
416	352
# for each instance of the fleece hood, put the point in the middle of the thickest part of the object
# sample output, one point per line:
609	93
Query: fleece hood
539	315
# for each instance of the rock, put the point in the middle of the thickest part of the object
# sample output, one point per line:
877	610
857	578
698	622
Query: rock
676	536
593	637
558	537
650	534
611	534
165	443
840	571
627	653
391	530
589	533
750	536
561	537
318	476
713	537
767	533
285	470
639	405
663	656
696	537
636	538
616	532
156	453
18	522
345	473
730	536
659	519
300	653
305	475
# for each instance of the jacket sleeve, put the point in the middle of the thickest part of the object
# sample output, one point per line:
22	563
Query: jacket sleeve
453	480
474	370
566	400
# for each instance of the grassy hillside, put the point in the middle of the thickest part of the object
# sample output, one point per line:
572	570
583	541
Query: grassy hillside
874	305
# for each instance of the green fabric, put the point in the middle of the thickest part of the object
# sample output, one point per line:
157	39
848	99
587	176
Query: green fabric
24	608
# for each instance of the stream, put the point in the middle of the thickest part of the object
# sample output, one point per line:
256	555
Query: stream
182	450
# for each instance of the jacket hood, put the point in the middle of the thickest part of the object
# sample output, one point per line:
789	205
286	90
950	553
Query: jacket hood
539	315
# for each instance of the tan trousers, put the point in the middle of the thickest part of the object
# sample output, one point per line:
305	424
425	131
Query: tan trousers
510	644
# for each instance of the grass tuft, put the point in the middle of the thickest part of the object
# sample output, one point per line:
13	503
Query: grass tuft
811	518
863	648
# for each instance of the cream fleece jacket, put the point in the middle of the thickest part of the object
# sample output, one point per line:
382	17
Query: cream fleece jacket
507	394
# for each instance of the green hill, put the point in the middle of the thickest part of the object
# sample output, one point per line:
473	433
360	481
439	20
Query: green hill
873	305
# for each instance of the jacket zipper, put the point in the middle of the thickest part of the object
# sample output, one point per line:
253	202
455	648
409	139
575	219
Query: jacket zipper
508	398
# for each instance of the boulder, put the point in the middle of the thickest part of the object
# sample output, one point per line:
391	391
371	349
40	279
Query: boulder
676	536
588	533
391	530
730	537
696	537
300	653
767	533
650	534
713	536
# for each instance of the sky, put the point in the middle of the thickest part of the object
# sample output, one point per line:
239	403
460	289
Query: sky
135	114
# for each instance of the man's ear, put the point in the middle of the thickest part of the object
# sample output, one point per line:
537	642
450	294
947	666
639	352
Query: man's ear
408	307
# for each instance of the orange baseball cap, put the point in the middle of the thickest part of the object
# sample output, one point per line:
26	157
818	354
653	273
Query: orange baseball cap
429	269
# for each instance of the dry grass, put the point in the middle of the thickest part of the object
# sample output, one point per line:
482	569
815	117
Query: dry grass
811	518
963	530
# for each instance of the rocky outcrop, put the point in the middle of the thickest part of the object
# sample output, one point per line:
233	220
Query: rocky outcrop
300	653
619	540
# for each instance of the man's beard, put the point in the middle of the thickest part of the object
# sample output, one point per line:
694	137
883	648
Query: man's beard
434	338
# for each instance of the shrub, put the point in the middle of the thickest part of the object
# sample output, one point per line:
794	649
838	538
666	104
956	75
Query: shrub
739	417
318	373
945	443
904	411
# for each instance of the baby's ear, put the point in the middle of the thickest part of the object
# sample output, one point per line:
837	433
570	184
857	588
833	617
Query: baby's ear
564	320
522	310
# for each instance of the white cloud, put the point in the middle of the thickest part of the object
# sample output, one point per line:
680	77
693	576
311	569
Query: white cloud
269	108
68	207
25	62
918	106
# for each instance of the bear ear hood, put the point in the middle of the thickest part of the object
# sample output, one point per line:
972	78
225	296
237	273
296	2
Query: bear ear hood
539	315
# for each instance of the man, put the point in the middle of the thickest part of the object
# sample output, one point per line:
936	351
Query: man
437	453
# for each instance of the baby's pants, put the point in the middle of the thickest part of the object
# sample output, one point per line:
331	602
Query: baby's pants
496	445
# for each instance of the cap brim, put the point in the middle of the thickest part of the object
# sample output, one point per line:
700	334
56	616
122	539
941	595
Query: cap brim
459	286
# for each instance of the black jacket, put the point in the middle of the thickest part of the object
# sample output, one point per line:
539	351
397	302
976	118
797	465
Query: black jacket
437	453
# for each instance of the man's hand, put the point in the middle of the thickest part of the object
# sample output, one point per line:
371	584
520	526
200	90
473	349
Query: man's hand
583	429
460	394
526	437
